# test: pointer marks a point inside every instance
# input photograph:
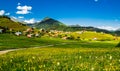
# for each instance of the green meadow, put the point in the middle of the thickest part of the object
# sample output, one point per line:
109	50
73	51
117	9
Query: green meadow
58	54
10	41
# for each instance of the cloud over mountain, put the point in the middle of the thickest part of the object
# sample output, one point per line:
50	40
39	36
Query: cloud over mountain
2	12
30	21
7	13
21	17
108	28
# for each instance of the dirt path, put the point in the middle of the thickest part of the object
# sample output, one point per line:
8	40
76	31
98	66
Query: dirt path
9	50
6	51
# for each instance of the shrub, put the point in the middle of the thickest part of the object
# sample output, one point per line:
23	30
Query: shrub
118	45
105	39
60	36
71	37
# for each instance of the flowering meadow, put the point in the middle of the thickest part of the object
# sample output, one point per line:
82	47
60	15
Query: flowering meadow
68	57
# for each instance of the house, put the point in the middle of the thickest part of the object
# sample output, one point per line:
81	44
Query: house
2	30
37	35
30	30
29	35
18	33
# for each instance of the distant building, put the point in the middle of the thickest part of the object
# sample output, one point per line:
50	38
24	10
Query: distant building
36	35
2	30
18	33
29	35
29	31
95	38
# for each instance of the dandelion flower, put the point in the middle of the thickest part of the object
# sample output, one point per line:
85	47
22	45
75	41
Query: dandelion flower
92	69
58	63
110	57
80	57
43	65
96	57
33	57
110	64
71	69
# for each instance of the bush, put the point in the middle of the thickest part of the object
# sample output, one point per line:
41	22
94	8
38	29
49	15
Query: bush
106	39
78	38
71	37
118	45
60	36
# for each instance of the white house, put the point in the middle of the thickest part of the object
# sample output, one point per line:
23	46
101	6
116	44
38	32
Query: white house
18	33
1	30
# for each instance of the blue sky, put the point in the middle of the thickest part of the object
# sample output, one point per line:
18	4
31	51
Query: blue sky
99	13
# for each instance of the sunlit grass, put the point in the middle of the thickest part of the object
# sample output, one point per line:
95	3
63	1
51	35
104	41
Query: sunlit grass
10	41
62	58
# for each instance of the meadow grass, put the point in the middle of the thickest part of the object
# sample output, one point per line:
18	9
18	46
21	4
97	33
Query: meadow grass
10	41
16	26
90	35
74	56
64	55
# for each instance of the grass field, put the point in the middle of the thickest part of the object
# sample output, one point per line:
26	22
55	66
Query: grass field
16	26
74	56
10	41
64	55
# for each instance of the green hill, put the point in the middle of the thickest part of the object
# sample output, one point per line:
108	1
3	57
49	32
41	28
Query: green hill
6	22
117	32
52	24
49	23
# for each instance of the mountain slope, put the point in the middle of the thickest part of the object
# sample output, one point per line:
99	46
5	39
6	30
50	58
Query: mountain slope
8	23
76	28
49	23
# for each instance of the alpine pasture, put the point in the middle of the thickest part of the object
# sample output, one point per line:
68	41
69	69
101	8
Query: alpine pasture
62	55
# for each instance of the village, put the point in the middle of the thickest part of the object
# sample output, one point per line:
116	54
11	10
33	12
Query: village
78	35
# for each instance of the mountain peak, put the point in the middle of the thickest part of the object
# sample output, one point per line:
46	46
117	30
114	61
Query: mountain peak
47	18
48	22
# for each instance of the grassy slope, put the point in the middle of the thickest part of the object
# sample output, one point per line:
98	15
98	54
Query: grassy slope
5	22
72	56
91	35
50	24
9	41
96	35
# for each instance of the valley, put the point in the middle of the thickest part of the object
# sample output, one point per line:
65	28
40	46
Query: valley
55	46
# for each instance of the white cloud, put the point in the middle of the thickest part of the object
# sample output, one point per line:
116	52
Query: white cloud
108	28
14	17
96	0
31	21
7	13
23	9
20	17
2	12
19	4
22	12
